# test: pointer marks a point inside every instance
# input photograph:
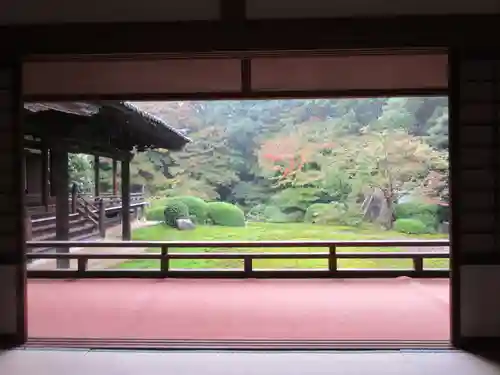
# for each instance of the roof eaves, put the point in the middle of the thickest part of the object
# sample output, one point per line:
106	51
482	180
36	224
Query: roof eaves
155	120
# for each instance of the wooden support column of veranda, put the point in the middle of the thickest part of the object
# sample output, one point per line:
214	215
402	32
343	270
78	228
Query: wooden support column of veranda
61	180
125	172
45	178
115	181
97	177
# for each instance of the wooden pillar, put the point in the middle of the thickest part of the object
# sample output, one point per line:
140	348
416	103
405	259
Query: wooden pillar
74	193
115	182
13	329
126	229
61	174
45	178
97	178
475	197
102	218
52	177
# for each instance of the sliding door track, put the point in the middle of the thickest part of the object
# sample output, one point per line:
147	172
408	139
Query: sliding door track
120	344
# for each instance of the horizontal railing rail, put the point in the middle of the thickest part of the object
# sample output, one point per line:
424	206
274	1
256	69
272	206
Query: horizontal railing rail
248	270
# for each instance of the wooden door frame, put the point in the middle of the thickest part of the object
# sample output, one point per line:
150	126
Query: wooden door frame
264	38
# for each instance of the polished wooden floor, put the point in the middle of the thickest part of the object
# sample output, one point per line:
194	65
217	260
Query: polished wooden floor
183	309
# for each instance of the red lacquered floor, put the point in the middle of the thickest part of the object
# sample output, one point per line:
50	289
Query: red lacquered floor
369	309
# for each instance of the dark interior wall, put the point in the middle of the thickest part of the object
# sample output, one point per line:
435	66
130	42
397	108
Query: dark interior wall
12	246
61	11
475	137
474	116
349	8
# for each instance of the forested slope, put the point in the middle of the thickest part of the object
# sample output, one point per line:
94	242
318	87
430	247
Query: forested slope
278	157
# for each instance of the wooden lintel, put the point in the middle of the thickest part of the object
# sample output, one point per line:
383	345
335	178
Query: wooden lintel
83	148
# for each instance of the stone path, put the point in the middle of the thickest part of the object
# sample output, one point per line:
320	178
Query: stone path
113	234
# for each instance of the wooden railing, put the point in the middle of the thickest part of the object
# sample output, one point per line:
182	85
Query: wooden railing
87	209
111	200
165	256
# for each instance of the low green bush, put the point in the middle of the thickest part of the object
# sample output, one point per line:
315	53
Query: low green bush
226	214
257	213
316	212
174	210
155	214
334	213
428	214
410	226
197	207
273	214
409	210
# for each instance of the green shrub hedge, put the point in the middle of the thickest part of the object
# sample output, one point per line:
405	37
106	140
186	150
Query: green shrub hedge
197	207
226	214
274	214
257	213
428	214
174	210
334	213
315	212
155	214
410	226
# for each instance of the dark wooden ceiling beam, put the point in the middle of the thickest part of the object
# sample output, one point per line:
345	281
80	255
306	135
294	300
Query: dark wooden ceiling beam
74	130
233	10
79	147
251	35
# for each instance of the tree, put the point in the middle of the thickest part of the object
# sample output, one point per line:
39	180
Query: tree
249	152
396	163
81	172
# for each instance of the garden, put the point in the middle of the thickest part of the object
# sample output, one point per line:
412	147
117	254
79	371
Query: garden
304	169
219	221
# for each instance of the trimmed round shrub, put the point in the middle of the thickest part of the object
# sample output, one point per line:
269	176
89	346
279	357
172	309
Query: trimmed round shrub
409	210
316	211
256	213
410	226
197	207
428	214
334	213
226	214
155	214
174	210
274	214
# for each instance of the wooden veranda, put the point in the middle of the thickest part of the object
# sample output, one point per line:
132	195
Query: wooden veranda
55	209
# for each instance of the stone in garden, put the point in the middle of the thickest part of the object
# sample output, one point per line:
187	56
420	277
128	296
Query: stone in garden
185	224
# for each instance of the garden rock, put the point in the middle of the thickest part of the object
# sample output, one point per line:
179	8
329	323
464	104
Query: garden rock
185	224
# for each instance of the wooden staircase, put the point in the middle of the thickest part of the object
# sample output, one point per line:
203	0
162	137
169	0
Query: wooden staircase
83	222
89	216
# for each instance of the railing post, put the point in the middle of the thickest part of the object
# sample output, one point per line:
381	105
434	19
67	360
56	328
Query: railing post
165	261
418	264
247	264
82	265
73	198
102	219
332	259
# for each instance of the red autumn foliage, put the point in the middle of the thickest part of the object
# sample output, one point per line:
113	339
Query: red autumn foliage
291	153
